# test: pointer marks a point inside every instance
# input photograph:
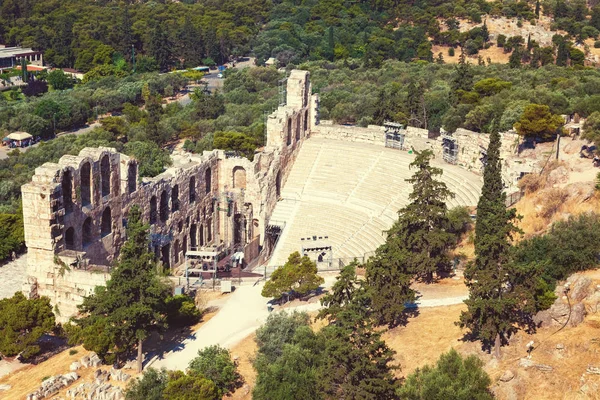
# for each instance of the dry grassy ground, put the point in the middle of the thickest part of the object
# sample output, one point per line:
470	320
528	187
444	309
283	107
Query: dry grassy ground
29	378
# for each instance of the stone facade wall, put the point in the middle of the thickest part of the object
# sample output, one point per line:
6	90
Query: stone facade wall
75	211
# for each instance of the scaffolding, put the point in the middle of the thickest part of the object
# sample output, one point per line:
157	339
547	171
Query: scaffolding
394	135
282	91
450	149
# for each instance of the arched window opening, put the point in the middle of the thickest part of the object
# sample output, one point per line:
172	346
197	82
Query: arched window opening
201	234
67	190
176	252
131	178
193	243
175	198
289	132
87	232
192	189
208	180
298	118
305	121
164	206
70	239
86	187
184	248
105	175
209	231
239	178
278	184
106	226
153	210
165	256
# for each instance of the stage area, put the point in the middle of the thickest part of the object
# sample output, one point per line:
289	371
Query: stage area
350	193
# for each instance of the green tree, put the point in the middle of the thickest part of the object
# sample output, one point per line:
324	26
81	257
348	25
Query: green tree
501	297
591	130
22	323
191	386
562	54
452	378
421	226
389	277
152	159
463	74
356	362
491	86
215	363
514	61
120	316
149	387
538	121
279	329
161	48
342	291
298	275
59	80
12	234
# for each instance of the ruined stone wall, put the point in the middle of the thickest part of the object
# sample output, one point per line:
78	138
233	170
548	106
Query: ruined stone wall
75	211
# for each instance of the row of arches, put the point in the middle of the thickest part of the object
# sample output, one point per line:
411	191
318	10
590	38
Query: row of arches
85	182
162	210
290	135
89	231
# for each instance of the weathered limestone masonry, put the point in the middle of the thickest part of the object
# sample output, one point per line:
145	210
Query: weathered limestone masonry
471	145
75	211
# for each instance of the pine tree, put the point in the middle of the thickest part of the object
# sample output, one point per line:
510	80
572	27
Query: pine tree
514	60
389	278
485	33
537	8
421	226
463	78
501	295
356	362
121	315
161	48
562	54
331	44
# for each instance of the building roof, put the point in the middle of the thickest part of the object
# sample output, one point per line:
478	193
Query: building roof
19	136
32	68
8	52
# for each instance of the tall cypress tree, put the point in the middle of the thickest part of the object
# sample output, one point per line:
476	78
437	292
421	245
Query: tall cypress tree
356	362
421	226
501	293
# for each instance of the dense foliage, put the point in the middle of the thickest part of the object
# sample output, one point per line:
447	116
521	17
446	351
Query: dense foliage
88	34
22	323
452	378
215	363
298	276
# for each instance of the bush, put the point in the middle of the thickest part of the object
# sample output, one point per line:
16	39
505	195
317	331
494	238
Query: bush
72	352
182	311
22	323
149	387
553	200
215	363
451	52
597	44
531	183
452	378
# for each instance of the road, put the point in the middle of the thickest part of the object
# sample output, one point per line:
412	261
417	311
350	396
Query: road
246	310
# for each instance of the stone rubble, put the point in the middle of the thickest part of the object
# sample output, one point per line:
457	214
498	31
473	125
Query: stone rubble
52	385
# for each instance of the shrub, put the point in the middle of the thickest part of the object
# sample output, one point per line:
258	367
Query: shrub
452	378
72	352
552	201
149	387
451	51
215	363
597	44
182	311
531	183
